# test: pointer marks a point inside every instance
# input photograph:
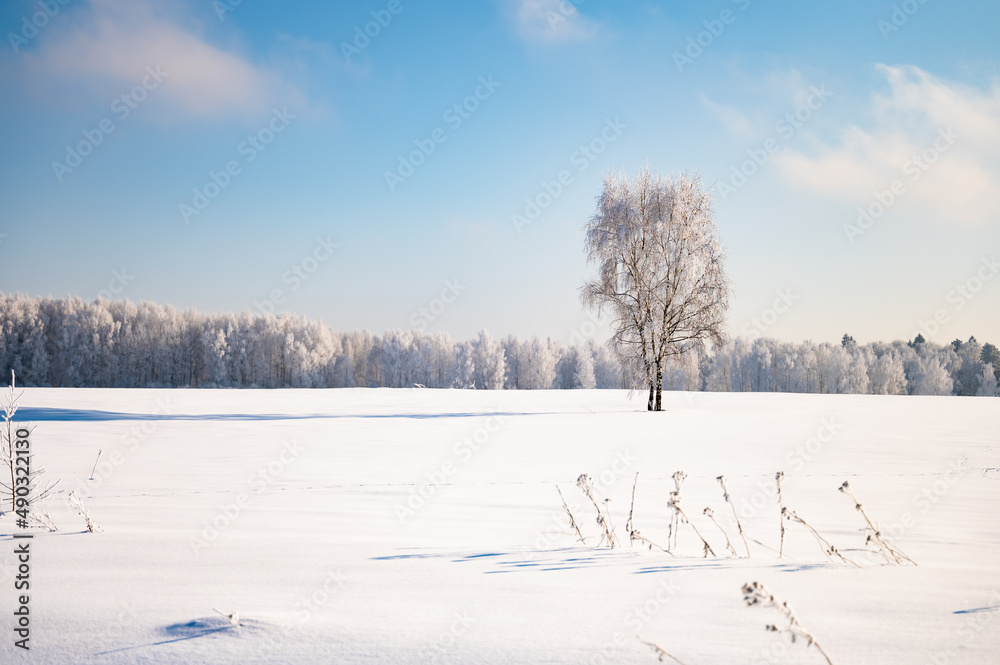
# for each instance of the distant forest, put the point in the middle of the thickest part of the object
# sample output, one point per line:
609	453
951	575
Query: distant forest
73	343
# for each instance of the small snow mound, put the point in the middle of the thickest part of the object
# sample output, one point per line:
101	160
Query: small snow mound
210	626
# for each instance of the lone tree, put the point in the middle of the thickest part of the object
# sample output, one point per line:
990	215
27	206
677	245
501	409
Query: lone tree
660	269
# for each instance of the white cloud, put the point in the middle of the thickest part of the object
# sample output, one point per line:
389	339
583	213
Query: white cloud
908	123
551	21
108	45
737	124
784	89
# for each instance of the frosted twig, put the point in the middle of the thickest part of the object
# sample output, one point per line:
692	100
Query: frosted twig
92	471
675	522
572	520
585	485
660	652
23	486
43	519
876	535
679	516
234	618
725	495
607	516
825	545
755	593
729	546
77	503
778	477
629	527
635	535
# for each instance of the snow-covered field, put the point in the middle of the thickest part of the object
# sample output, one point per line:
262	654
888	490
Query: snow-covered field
415	526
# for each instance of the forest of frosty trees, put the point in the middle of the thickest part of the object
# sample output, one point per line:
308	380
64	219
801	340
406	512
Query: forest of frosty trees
73	343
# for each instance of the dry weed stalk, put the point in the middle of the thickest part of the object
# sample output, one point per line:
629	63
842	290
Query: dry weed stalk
675	520
725	494
572	520
43	519
77	503
607	518
828	549
633	533
679	517
9	437
32	491
587	487
629	526
778	477
96	461
891	554
729	546
234	618
636	535
661	652
756	593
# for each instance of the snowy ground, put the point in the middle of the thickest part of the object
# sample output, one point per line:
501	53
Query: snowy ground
415	526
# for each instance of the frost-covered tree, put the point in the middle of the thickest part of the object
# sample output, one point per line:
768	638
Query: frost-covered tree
584	376
359	347
488	362
991	355
343	372
607	366
760	365
565	367
512	362
660	268
681	372
886	375
396	359
539	361
856	381
971	369
931	378
574	369
988	383
442	361
718	367
465	365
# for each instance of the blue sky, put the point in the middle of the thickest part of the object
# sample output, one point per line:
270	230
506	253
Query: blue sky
838	103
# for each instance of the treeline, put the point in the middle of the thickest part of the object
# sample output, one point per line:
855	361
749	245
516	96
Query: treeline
73	343
917	367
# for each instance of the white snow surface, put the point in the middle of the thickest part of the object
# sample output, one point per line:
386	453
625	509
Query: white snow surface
314	550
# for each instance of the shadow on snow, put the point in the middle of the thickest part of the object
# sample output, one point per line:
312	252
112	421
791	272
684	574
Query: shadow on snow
53	414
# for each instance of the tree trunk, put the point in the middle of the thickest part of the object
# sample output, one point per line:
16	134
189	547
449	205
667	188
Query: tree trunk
659	389
649	404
